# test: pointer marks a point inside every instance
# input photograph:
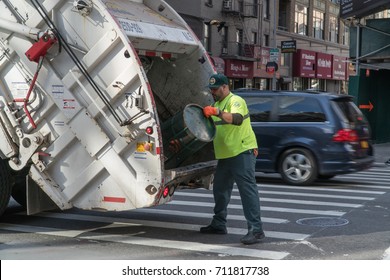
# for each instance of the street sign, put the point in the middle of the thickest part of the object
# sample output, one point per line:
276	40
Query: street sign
289	46
271	67
274	55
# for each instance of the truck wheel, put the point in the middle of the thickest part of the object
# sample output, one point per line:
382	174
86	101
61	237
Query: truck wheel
5	186
297	166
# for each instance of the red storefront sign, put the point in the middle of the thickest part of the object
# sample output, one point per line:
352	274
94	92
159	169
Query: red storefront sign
324	66
304	64
339	68
238	68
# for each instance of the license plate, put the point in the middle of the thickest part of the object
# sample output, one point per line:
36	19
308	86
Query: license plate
364	144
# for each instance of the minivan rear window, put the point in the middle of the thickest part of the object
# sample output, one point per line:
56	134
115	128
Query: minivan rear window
300	109
349	111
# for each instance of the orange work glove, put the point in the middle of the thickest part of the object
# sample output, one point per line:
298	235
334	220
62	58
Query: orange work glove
209	111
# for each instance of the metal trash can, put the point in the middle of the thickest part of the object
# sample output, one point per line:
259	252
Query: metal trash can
186	133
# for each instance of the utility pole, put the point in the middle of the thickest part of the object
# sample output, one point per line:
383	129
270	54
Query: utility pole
274	46
260	23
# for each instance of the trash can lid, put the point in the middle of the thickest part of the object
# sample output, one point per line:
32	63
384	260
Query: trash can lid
201	127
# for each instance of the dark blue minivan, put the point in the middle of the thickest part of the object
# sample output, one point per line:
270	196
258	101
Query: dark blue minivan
306	135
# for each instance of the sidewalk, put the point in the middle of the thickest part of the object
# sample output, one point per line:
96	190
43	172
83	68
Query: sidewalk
381	152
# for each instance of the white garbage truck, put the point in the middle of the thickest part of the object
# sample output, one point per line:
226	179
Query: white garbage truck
92	94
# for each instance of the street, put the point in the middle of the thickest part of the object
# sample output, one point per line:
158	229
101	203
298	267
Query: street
344	218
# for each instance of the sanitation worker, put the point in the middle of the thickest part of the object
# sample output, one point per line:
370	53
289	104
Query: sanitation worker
235	148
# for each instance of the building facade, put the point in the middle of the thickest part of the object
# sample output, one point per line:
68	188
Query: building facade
273	44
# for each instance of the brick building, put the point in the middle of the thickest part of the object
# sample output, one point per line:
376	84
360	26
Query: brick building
306	38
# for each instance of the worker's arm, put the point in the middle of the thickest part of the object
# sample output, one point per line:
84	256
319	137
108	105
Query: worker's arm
231	118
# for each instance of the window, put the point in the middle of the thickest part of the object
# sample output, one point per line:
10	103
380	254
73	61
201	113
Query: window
206	37
259	108
266	40
300	109
318	24
224	35
266	9
255	8
348	111
253	37
346	35
241	6
209	3
333	29
239	41
301	17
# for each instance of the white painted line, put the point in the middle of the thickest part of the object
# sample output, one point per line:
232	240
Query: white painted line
386	255
168	225
288	193
204	215
290	201
335	188
264	208
159	243
193	246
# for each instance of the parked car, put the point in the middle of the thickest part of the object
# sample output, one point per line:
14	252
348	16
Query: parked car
306	135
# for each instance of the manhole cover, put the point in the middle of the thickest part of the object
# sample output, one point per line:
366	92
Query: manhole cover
323	222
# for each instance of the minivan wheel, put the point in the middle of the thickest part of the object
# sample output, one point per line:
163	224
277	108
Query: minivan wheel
298	167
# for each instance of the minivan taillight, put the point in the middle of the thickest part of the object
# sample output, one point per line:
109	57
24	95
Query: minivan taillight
345	135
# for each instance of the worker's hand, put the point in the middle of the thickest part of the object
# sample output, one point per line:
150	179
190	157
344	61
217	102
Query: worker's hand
209	111
256	152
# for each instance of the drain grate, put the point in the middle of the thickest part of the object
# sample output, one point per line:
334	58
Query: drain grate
323	222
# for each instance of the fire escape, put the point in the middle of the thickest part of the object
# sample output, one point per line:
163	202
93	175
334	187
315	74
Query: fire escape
240	12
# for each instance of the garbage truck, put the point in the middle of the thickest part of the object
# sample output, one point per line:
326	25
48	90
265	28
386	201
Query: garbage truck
92	95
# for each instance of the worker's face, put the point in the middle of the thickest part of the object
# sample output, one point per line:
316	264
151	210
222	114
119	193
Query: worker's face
218	93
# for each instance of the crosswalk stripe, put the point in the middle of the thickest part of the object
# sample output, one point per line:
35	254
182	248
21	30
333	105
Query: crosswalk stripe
264	208
194	246
291	201
167	225
318	195
205	215
152	242
323	189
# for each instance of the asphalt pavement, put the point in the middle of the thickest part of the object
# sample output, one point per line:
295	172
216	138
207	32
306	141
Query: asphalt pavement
381	152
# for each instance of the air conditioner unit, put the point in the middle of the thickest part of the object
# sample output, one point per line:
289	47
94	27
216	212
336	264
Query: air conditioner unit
227	4
224	50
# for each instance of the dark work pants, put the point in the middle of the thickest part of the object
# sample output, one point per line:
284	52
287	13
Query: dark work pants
239	169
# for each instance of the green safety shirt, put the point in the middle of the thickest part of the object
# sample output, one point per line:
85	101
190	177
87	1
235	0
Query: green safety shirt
231	140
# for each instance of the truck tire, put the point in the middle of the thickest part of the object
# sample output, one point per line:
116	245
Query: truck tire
5	186
297	166
19	191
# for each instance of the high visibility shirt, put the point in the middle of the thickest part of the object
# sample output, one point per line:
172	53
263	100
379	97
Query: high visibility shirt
231	140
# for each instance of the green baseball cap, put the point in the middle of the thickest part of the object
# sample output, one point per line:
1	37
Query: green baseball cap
218	80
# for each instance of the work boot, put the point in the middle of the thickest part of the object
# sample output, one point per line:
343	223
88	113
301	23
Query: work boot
212	230
252	237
